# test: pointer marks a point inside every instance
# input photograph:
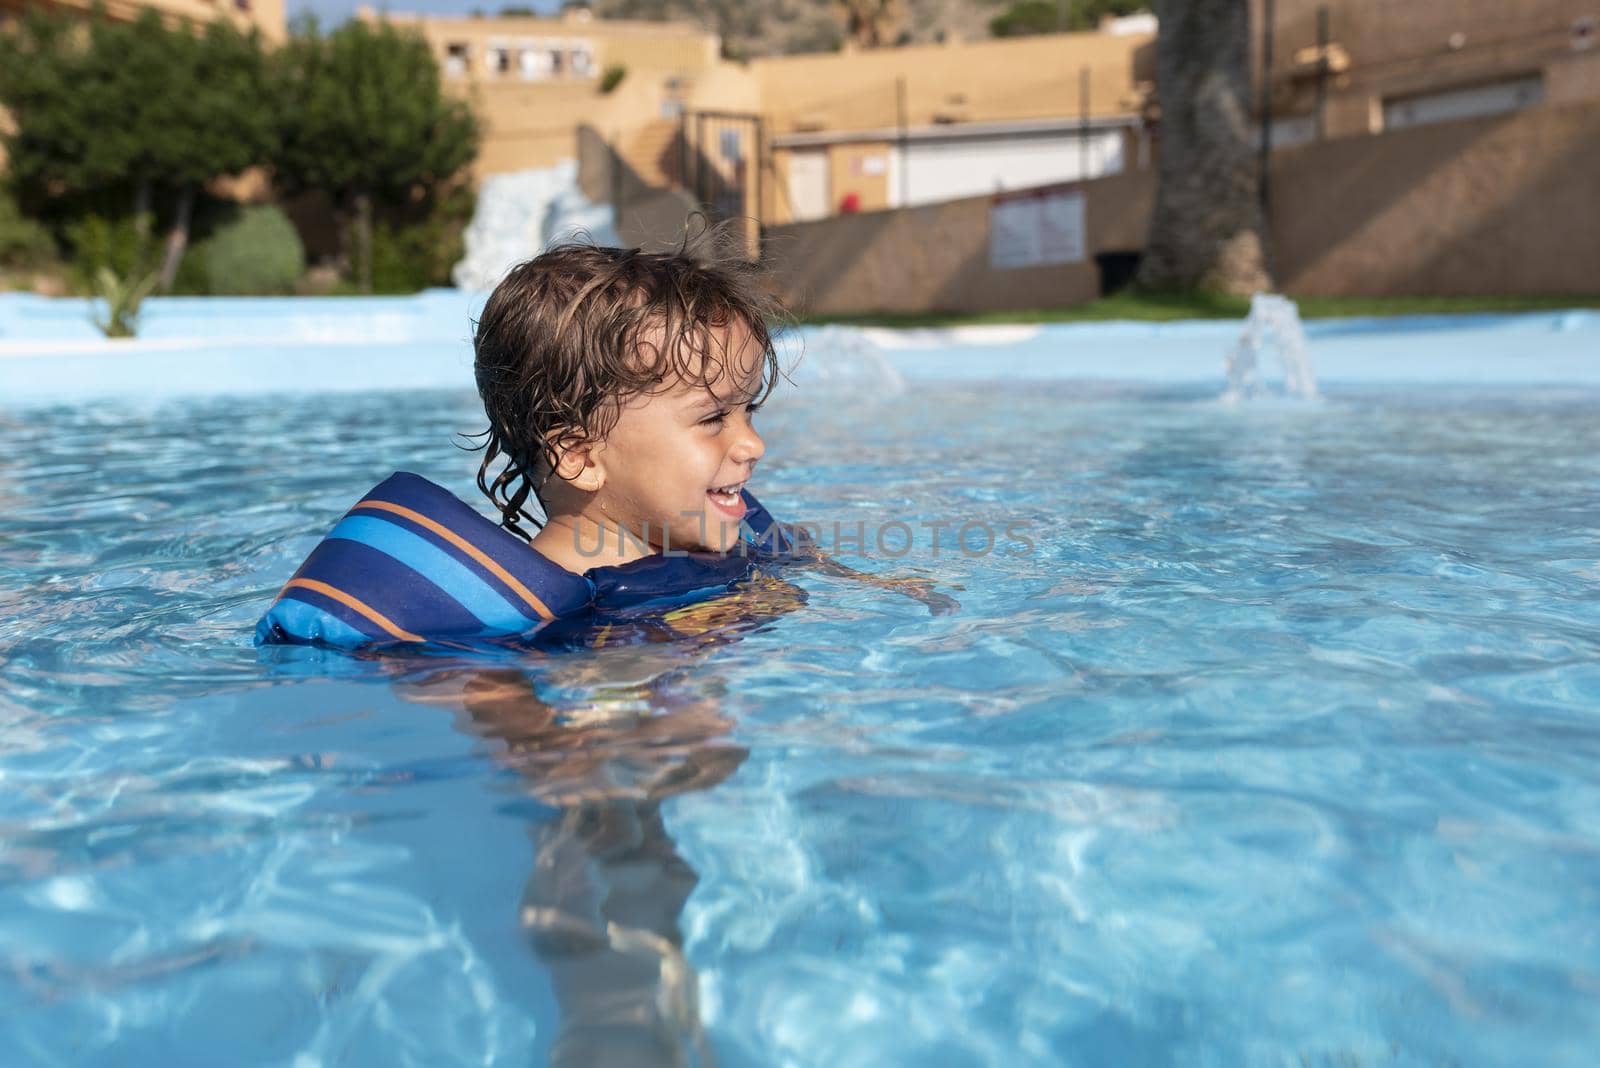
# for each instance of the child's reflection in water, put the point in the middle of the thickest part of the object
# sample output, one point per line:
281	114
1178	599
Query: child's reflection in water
602	905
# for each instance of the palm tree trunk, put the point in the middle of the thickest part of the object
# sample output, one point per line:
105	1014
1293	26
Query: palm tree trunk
177	239
1208	231
363	241
141	212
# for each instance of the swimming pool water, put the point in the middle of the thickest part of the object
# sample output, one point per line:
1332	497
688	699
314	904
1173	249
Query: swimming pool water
1280	747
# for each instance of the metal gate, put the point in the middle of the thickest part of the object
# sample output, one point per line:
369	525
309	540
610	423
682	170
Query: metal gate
722	161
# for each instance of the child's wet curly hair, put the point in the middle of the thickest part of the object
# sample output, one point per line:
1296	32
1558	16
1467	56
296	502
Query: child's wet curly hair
569	336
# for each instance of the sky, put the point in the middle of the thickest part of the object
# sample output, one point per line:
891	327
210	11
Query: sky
331	12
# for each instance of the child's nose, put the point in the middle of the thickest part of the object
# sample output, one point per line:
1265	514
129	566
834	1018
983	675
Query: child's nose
749	448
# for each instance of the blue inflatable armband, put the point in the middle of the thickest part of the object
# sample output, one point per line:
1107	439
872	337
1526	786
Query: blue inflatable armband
411	562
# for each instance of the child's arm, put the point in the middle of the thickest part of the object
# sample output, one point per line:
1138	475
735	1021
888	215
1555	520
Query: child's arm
938	604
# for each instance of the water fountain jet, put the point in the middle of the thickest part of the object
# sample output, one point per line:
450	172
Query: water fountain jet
1273	323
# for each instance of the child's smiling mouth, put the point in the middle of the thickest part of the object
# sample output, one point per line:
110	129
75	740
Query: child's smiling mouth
728	498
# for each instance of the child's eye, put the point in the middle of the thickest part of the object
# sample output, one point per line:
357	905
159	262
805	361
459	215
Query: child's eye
718	418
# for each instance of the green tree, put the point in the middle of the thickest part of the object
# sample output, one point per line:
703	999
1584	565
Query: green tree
364	118
186	109
1027	17
24	243
212	118
256	250
52	147
129	113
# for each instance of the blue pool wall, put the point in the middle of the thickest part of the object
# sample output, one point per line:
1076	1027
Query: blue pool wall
50	351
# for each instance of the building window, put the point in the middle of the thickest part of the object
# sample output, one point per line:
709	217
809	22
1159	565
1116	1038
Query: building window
457	58
582	60
672	97
729	145
534	63
1290	130
1470	102
558	61
499	60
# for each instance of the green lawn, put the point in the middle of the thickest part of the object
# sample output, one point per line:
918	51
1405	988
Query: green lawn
1163	307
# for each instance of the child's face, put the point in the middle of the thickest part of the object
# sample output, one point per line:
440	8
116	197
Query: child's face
671	452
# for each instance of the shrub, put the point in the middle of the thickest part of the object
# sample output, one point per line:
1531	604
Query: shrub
24	243
397	265
117	244
255	252
408	256
192	280
1028	17
122	298
612	77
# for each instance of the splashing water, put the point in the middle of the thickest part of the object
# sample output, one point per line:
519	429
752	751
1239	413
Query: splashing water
519	215
835	356
1273	322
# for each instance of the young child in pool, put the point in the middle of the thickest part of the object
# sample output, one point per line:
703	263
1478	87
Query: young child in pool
621	388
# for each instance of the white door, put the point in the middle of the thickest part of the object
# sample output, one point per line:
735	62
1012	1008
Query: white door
808	184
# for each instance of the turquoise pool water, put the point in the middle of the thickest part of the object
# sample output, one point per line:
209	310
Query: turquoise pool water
1279	745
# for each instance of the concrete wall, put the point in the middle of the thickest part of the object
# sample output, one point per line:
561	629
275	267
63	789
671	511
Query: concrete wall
1502	205
528	125
1401	49
936	258
639	46
1484	207
1573	77
725	87
533	121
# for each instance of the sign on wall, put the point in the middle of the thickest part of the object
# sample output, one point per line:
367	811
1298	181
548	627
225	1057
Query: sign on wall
1036	229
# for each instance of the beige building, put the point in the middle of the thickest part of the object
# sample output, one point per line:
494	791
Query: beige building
535	81
798	137
806	136
898	127
1423	149
265	15
1387	66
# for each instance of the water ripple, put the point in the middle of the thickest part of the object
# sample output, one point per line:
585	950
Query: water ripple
1277	745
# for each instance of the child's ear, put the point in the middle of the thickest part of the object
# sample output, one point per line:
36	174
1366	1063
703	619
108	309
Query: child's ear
578	461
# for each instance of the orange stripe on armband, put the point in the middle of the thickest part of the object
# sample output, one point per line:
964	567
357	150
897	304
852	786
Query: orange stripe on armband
355	605
465	546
